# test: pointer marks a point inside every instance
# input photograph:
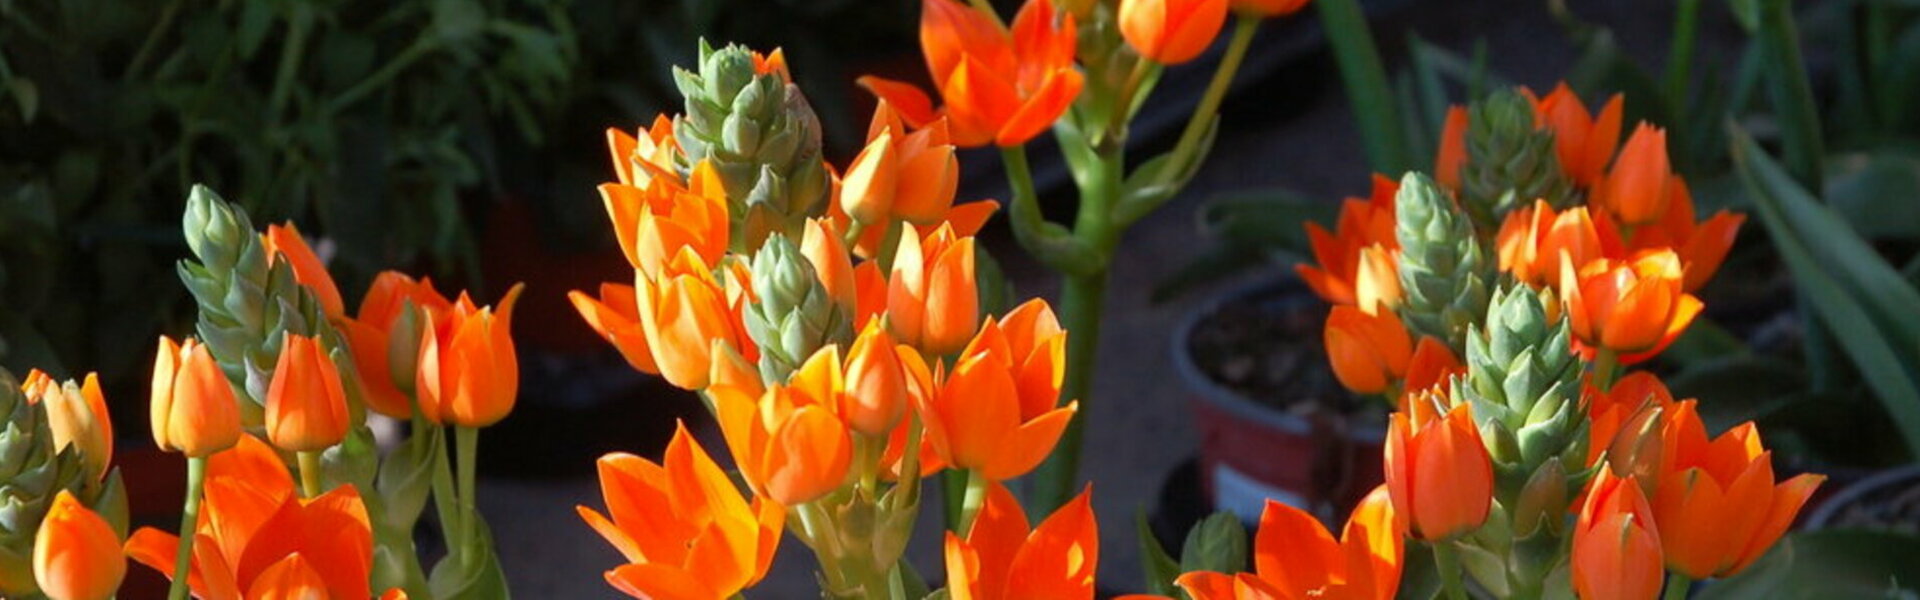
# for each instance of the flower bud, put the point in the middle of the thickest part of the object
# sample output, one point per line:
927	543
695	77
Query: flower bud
1369	353
828	255
1635	190
469	373
1510	161
1543	500
932	296
792	316
76	554
284	242
1171	32
306	406
1439	474
1445	274
876	394
193	408
77	415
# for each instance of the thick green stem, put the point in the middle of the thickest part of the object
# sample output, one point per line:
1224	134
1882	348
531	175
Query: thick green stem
189	522
1677	586
1366	82
1606	368
1686	23
467	440
1447	560
1051	243
310	474
976	496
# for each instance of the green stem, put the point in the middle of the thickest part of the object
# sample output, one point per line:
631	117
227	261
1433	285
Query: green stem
1051	243
292	50
1792	93
310	474
1677	586
467	440
976	496
160	28
419	49
1204	113
953	493
910	466
1123	101
189	522
1447	560
1366	82
867	452
452	532
1605	367
1686	24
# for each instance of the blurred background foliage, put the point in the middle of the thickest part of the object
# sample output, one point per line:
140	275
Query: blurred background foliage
388	130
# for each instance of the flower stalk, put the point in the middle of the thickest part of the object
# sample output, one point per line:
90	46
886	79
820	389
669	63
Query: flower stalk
189	522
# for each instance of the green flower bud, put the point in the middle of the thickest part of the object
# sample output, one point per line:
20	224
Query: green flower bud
760	135
1543	500
32	472
794	315
1510	162
1444	271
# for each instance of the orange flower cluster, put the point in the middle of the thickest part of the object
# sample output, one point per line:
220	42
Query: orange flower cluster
1002	86
1294	556
1001	557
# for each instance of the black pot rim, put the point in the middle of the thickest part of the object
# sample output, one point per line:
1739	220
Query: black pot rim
1823	516
1232	402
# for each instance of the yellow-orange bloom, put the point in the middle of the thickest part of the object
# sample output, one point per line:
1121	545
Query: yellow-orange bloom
193	409
1633	307
790	445
76	554
1439	473
637	159
1268	8
1635	190
1001	558
996	411
1532	238
653	223
1583	142
77	414
284	241
385	358
1171	32
1294	556
615	315
682	312
1701	246
901	175
1359	250
1369	353
1616	548
306	405
875	397
682	525
469	373
1717	505
1452	155
251	521
932	296
1001	87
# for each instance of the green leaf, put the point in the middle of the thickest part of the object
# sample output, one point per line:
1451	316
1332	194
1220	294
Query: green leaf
1159	569
1846	283
1704	341
481	580
1735	389
1217	543
1878	194
27	95
1829	564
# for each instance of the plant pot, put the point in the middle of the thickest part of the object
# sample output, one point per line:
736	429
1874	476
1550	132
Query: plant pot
1302	440
1888	500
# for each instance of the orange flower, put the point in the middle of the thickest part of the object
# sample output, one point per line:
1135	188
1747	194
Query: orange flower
1702	246
791	446
1582	142
1433	363
1717	505
1635	190
682	311
900	175
932	297
995	411
1001	558
1171	32
284	241
251	525
681	524
1294	556
831	264
193	410
1268	8
1532	238
1439	474
384	357
1343	255
306	407
1633	307
1452	155
615	315
1612	411
1002	87
1369	353
875	398
469	374
637	159
77	414
1616	549
76	554
653	223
